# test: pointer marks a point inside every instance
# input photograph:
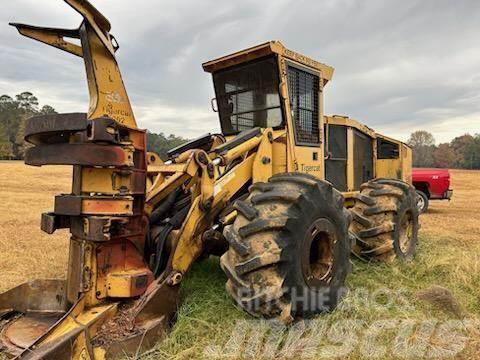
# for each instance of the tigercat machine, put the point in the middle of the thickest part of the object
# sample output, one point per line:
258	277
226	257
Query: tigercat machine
281	194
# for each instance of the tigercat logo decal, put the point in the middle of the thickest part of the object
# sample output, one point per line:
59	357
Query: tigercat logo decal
310	168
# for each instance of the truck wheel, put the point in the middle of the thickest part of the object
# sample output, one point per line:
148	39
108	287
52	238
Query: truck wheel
385	220
289	248
422	202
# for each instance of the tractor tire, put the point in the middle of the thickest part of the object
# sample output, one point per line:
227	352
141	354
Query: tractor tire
289	248
385	220
422	202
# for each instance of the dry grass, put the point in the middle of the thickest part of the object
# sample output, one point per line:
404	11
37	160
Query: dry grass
448	256
25	251
458	219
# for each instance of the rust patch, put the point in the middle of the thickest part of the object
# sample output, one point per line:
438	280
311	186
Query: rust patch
23	331
87	154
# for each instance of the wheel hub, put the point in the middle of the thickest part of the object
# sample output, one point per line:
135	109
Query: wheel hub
318	254
420	203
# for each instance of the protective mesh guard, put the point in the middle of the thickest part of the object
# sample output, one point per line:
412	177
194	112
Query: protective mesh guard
362	159
336	163
303	88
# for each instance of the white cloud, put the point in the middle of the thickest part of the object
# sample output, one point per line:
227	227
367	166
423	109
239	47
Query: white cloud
400	66
184	121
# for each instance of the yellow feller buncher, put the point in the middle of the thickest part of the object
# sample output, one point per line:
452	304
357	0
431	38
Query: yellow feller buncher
283	195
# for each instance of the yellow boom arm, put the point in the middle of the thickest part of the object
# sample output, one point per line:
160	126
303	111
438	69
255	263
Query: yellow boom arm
108	95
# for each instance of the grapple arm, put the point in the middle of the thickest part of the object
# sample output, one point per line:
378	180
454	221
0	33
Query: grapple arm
52	36
108	96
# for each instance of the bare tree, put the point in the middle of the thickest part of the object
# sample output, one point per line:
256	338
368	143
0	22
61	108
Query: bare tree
423	145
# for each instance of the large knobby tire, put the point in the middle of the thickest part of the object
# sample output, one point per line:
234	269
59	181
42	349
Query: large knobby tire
288	248
385	220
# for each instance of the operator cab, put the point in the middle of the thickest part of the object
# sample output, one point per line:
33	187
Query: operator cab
251	84
269	86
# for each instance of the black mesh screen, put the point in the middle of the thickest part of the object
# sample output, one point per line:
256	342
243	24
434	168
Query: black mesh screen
303	88
362	159
336	152
247	96
336	173
337	142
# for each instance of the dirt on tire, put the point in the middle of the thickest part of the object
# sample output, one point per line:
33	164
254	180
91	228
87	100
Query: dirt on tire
385	220
273	259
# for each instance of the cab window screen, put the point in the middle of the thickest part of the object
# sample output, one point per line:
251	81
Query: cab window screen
247	96
387	149
303	88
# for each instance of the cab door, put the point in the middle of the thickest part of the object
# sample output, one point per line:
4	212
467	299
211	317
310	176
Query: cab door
305	116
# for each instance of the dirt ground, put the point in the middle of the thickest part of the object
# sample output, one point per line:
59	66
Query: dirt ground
459	218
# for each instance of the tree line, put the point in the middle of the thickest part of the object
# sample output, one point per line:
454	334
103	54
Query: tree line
463	152
13	114
14	111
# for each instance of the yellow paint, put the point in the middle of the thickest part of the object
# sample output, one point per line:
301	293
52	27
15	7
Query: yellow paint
259	158
105	181
99	353
265	157
122	284
190	245
107	91
272	47
279	155
81	349
108	95
107	206
241	149
262	164
399	168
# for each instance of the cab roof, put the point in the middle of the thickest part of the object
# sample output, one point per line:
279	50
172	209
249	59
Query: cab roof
265	49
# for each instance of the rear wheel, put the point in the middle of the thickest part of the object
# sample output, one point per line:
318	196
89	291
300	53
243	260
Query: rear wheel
288	248
422	201
385	220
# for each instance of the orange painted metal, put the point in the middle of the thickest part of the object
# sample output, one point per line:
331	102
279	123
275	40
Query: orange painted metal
119	256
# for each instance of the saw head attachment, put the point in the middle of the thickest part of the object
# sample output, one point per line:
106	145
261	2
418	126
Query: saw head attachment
110	302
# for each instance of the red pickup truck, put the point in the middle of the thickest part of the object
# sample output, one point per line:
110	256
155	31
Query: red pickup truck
431	184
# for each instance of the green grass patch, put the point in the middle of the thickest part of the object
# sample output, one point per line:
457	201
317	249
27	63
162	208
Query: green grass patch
207	315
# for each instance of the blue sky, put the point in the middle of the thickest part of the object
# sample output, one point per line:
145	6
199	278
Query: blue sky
399	66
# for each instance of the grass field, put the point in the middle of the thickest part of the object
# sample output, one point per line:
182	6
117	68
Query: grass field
447	256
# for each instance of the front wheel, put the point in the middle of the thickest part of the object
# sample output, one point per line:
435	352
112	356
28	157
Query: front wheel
288	248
